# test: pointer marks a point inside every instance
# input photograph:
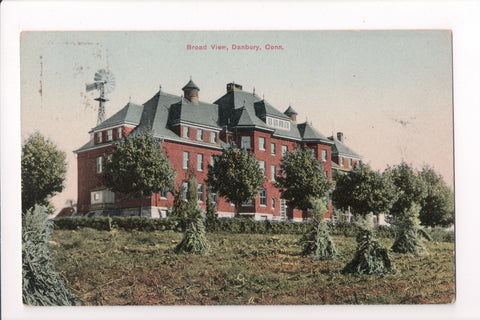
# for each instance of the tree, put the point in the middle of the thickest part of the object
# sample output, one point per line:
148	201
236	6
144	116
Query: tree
438	206
411	188
302	179
409	234
210	211
363	191
43	171
137	167
236	176
42	285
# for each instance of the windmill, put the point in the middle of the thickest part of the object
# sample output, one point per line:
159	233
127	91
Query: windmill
105	83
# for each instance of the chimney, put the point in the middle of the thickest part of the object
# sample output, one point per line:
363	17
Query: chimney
232	86
190	91
340	136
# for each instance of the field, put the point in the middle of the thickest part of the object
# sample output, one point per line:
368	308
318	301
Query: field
140	268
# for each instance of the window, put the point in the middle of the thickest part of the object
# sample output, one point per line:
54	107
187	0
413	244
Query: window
185	132
284	151
185	159
261	164
261	143
275	123
212	160
312	152
164	194
287	125
109	135
213	137
273	172
199	162
214	196
342	161
100	165
269	121
199	134
324	155
119	133
245	143
350	163
273	203
273	148
200	192
185	190
99	137
263	197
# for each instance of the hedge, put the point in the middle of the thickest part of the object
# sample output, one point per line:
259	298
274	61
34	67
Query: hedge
229	226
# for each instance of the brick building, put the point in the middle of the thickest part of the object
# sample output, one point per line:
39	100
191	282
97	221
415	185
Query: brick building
191	132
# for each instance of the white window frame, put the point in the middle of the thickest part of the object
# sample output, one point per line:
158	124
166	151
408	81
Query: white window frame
119	133
199	162
186	159
164	194
273	173
213	137
342	161
262	142
350	163
245	142
284	150
261	164
273	148
199	135
185	190
263	198
272	203
109	135
100	164
200	193
324	155
99	137
185	132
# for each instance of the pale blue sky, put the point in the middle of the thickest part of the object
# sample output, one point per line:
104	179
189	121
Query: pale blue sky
390	92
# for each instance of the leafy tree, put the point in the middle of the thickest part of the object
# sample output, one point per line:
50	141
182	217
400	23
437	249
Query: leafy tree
370	256
236	176
409	234
411	188
137	167
318	242
302	179
177	208
43	171
438	206
194	240
363	191
42	285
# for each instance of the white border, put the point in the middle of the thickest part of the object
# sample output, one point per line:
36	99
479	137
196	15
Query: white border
460	17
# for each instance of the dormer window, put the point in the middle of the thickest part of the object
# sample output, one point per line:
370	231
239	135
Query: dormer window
119	133
245	143
213	137
109	135
277	123
99	137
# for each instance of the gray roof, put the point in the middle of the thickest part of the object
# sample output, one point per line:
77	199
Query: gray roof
191	85
339	148
290	111
309	133
230	113
200	113
131	113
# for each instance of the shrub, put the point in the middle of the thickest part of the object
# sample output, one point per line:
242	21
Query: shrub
42	286
408	239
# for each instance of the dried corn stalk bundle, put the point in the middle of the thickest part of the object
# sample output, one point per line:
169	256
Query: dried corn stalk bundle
194	240
42	286
409	233
370	256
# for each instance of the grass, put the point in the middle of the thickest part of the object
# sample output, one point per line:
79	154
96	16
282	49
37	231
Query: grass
141	268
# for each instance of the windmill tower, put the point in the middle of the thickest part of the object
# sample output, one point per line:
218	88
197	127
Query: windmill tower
105	83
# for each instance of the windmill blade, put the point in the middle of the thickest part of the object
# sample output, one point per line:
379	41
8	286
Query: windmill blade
100	75
110	84
92	86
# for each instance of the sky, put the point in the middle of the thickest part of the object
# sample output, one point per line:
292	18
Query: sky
389	92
